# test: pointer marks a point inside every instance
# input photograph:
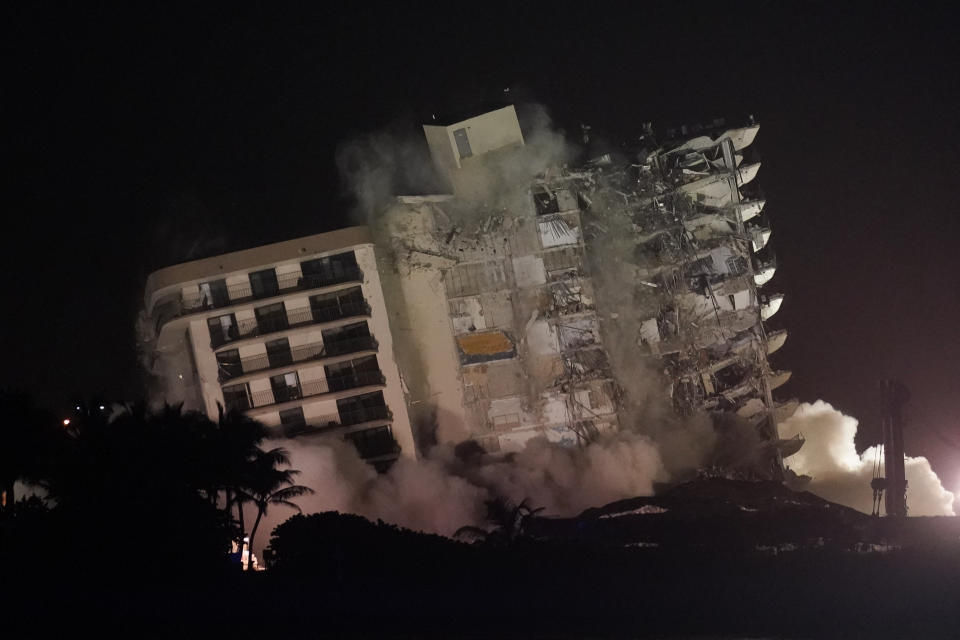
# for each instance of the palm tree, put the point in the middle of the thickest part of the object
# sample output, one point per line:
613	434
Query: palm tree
236	448
509	520
268	485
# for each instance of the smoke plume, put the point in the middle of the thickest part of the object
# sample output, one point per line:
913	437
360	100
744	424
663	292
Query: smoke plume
842	475
447	489
376	167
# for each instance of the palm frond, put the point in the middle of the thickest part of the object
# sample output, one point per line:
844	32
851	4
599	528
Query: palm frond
278	456
294	491
292	505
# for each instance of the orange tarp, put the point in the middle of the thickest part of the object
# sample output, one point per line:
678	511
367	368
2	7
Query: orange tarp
477	344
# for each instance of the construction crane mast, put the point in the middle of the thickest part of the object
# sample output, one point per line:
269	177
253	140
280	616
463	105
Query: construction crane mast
892	479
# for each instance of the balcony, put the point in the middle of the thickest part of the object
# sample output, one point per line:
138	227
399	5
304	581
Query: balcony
254	327
314	426
302	353
166	310
318	387
365	414
318	280
374	443
370	443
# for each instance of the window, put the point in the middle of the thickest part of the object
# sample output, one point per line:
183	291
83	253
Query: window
223	329
264	283
507	421
228	364
236	397
351	337
362	408
374	442
342	304
353	373
463	143
272	317
214	294
293	417
321	272
338	369
325	306
278	353
285	387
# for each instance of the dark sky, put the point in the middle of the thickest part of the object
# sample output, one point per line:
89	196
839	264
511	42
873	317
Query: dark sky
140	137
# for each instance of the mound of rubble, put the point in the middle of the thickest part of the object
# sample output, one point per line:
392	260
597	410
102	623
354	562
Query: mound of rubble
718	514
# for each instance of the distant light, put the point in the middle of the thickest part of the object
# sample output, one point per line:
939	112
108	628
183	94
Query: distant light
66	421
101	407
180	375
78	407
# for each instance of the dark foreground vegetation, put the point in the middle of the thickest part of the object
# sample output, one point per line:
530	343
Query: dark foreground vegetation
340	575
132	541
127	490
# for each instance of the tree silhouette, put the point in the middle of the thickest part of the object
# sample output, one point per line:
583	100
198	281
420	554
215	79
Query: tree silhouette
267	485
27	439
509	522
232	458
140	488
135	490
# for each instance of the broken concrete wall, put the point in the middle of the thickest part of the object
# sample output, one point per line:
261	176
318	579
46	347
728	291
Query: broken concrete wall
518	309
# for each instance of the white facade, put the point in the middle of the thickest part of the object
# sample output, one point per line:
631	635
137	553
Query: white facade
295	334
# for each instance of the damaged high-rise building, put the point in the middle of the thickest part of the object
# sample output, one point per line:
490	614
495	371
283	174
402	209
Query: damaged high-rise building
536	297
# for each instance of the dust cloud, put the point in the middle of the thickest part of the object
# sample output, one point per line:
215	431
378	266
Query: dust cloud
842	475
448	488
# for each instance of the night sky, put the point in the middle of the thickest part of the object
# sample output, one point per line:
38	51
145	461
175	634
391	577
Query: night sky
142	137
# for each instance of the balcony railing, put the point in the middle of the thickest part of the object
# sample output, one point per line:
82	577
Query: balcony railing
237	403
302	353
373	445
243	292
369	445
317	387
253	327
317	280
365	414
313	426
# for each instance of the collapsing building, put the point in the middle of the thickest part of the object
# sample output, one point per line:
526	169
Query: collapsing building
526	357
685	255
527	299
532	299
